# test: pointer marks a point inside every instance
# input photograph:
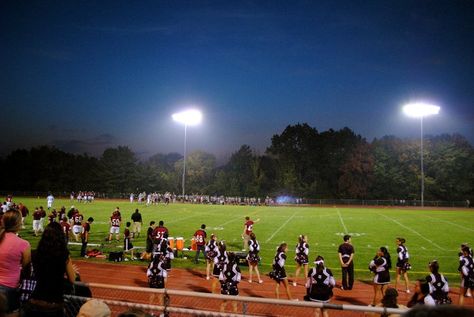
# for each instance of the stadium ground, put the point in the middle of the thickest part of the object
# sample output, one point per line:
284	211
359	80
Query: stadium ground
430	233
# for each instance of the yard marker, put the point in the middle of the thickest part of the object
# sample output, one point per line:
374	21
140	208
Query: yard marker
342	221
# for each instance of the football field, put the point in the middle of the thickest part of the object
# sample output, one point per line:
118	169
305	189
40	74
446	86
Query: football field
429	234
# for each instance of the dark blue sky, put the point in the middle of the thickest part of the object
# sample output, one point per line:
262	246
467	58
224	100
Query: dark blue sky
84	75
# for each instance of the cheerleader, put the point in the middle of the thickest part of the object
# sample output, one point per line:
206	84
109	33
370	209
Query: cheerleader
466	268
210	252
438	284
253	257
220	261
156	272
157	275
229	278
279	273
301	257
402	263
380	266
319	285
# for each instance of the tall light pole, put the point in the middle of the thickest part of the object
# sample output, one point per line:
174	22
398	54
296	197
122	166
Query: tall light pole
187	117
420	110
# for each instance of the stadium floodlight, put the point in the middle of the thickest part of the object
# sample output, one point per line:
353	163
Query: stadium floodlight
188	117
421	110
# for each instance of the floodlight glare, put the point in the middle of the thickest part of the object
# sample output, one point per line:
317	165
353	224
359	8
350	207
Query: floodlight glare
188	117
419	109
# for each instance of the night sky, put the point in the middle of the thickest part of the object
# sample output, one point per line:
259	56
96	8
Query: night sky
87	75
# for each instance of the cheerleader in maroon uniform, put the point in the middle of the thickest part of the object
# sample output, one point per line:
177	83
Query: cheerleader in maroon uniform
380	266
279	273
301	256
253	258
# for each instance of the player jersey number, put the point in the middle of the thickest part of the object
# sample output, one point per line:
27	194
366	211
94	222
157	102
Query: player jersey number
115	222
199	238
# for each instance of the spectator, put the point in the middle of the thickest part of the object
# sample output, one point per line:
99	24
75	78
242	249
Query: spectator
51	262
389	300
15	253
94	308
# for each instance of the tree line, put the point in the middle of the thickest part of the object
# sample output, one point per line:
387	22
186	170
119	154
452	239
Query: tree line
300	161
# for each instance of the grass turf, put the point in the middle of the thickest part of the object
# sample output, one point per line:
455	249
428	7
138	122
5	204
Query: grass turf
430	234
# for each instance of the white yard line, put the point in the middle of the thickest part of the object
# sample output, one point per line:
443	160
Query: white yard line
415	232
231	220
452	223
281	227
342	221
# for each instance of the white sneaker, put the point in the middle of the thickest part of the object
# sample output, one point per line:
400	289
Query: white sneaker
408	291
260	281
250	281
294	284
207	278
126	259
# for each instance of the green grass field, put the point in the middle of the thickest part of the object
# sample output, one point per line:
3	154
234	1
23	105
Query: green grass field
430	234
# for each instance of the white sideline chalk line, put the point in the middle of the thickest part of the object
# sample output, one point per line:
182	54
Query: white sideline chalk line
281	227
451	223
415	232
342	221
